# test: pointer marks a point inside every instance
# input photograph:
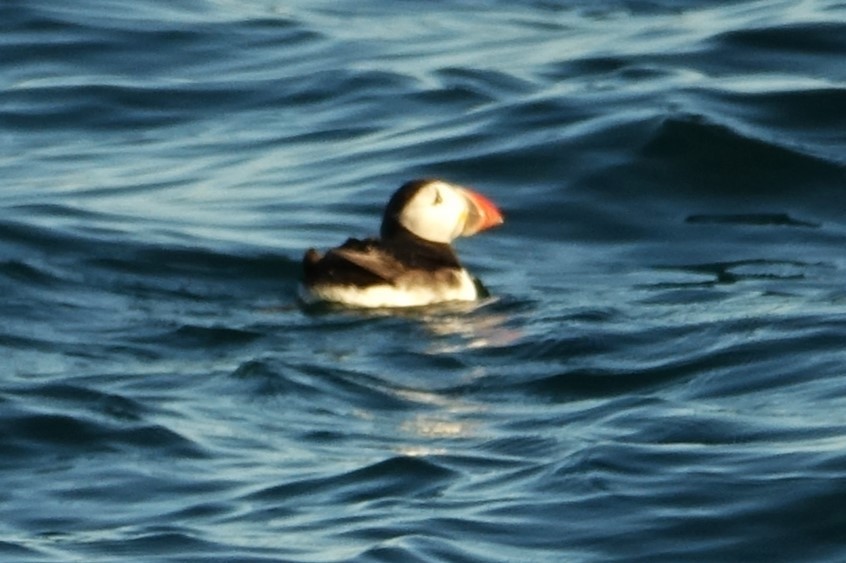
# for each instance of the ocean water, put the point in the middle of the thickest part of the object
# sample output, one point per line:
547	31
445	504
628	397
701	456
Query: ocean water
660	374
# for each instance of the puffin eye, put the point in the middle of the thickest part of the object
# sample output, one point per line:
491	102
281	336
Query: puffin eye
438	198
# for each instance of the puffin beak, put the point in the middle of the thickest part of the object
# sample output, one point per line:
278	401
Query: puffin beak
481	213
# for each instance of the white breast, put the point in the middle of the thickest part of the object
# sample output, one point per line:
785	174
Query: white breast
400	295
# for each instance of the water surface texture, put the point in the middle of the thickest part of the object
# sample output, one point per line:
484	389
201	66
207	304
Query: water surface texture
658	376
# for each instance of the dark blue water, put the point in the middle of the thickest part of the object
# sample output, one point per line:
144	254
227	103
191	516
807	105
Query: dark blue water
661	374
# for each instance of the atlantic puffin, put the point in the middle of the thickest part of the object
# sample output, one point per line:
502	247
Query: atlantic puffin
411	264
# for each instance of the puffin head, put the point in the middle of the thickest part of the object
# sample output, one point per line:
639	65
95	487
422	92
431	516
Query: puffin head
437	211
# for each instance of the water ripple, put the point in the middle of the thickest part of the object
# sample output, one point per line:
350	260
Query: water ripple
656	376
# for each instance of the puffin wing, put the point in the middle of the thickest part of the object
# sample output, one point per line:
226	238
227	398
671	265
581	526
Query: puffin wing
370	259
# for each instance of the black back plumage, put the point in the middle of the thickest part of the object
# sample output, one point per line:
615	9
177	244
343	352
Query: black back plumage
377	261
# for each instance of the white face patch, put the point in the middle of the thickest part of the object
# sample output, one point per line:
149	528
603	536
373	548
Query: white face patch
436	213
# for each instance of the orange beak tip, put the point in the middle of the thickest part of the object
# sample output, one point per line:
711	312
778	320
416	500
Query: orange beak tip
486	214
